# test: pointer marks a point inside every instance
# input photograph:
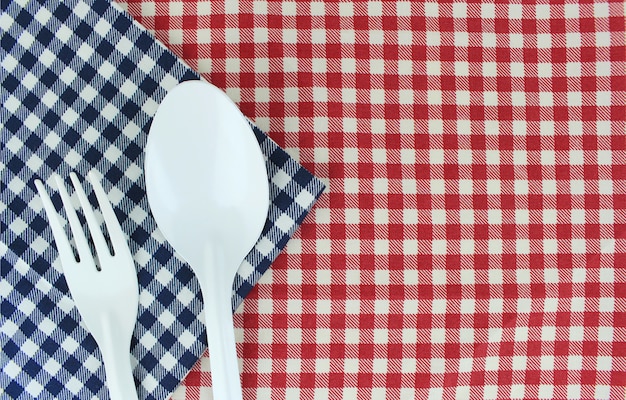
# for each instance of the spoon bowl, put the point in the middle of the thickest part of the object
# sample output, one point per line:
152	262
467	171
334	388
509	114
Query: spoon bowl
207	187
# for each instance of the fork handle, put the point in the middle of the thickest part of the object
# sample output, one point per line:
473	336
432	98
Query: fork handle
119	374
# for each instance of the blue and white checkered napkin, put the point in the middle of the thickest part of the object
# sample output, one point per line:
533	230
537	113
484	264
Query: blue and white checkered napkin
80	84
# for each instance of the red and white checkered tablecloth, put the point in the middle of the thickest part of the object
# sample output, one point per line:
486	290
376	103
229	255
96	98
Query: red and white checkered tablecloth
472	242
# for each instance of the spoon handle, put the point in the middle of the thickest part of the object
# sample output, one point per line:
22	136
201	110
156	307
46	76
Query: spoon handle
222	347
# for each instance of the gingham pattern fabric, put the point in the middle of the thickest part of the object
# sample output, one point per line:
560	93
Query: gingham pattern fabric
81	82
472	243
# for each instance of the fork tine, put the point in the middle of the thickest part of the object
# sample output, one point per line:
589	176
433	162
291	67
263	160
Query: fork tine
102	249
63	244
82	246
118	240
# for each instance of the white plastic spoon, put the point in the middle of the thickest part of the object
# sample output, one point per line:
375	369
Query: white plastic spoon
208	190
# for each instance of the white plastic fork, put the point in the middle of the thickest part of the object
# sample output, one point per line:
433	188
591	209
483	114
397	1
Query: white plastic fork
106	293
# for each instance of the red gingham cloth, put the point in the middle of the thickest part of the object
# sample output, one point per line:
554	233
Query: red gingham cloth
472	241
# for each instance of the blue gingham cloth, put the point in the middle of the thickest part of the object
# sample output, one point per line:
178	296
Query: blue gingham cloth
81	82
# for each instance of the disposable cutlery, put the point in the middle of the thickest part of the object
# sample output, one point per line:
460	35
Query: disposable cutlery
207	187
104	287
